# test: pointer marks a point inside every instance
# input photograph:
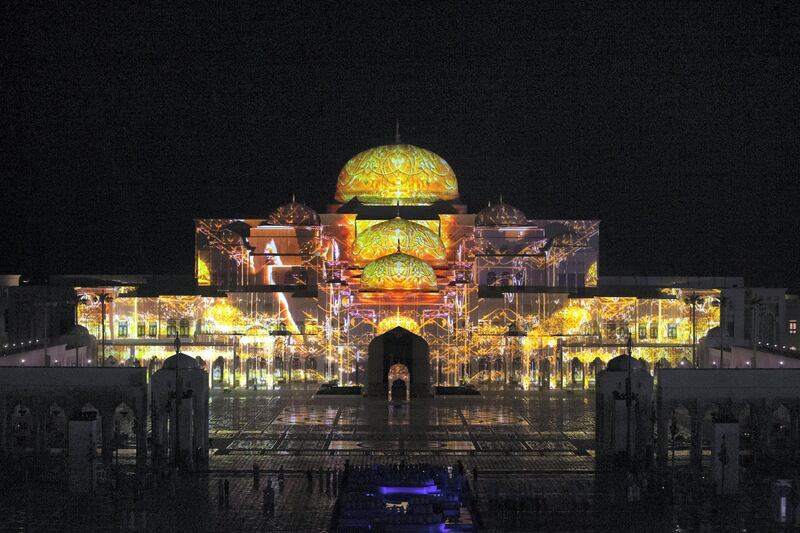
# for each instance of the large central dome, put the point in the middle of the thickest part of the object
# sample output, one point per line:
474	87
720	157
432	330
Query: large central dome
395	173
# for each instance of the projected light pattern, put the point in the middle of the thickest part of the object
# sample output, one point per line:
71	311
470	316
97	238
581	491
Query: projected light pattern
395	321
397	173
398	272
384	238
495	303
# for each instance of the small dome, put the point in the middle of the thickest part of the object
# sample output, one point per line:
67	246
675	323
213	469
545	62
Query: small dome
78	331
180	361
394	173
620	364
398	272
293	214
383	238
500	215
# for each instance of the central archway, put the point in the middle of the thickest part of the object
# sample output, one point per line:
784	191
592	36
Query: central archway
398	346
399	383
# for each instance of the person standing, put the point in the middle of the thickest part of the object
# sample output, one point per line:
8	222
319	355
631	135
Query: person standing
227	493
256	475
220	494
310	480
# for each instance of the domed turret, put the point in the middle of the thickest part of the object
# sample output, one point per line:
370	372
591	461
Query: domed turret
383	238
180	361
500	214
620	364
293	214
398	272
393	173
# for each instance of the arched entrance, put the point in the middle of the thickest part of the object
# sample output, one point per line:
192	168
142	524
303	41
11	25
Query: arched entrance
399	383
398	346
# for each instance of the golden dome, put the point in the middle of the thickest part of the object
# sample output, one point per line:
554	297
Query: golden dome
398	272
384	237
397	173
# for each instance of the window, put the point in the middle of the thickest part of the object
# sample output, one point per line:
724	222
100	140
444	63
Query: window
654	330
491	278
141	327
672	331
172	330
642	331
122	329
793	327
184	327
153	330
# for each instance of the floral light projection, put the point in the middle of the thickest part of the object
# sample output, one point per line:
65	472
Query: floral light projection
397	173
384	238
398	272
394	321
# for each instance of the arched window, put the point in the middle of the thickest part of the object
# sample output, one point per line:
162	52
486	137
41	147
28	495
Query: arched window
184	327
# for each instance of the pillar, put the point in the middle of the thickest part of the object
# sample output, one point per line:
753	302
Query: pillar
761	427
107	424
4	432
662	419
696	454
141	436
794	427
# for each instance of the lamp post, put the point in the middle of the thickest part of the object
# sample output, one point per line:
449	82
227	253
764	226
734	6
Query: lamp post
46	306
104	297
721	301
629	397
178	395
693	300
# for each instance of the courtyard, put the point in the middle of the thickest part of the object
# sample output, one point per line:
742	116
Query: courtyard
533	452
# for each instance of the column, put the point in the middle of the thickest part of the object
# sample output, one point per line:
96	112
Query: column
794	427
107	424
140	427
696	454
662	420
4	432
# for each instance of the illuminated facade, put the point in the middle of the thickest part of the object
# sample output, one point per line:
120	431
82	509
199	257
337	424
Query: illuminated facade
497	296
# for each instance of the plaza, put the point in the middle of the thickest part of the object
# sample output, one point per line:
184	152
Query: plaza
524	445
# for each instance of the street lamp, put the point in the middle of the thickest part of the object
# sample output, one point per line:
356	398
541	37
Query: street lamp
104	297
693	300
721	302
46	306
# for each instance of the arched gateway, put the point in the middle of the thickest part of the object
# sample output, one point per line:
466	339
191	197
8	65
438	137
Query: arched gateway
398	346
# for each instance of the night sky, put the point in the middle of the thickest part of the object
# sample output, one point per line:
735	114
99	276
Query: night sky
676	125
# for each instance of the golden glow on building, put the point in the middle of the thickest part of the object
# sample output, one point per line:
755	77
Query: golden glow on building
395	321
517	304
397	173
383	238
398	272
203	274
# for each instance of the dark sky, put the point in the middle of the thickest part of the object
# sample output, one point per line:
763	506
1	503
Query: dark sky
676	124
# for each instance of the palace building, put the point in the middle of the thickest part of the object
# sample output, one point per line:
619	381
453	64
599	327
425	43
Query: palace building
399	272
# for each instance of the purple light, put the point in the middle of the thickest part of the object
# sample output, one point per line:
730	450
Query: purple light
429	489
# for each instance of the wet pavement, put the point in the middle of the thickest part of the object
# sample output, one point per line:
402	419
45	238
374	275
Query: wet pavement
533	453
